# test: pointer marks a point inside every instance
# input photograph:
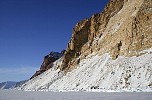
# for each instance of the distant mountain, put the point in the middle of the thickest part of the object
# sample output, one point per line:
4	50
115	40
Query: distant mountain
7	85
11	84
18	84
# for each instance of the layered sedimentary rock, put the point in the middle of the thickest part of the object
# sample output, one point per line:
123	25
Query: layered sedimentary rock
123	28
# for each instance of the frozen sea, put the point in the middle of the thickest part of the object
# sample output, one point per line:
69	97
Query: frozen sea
37	95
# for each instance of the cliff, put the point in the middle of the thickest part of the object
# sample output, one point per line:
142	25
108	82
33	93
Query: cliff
111	50
122	29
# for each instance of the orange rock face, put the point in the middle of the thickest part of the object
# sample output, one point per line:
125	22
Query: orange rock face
122	29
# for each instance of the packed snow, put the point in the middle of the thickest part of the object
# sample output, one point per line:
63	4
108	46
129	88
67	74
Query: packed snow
101	73
97	73
147	51
39	95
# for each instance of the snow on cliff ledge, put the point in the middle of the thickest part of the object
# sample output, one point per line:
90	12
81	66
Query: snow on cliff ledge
98	73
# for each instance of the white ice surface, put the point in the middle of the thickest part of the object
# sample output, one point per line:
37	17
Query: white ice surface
39	95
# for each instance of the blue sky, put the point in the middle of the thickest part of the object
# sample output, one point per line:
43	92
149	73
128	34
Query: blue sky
30	29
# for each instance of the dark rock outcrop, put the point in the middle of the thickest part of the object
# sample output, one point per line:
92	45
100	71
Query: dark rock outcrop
48	62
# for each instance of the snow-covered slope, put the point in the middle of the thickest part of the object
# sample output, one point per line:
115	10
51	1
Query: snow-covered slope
44	80
98	72
103	73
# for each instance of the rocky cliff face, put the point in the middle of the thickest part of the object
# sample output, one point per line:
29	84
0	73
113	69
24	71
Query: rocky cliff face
111	50
48	62
122	29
